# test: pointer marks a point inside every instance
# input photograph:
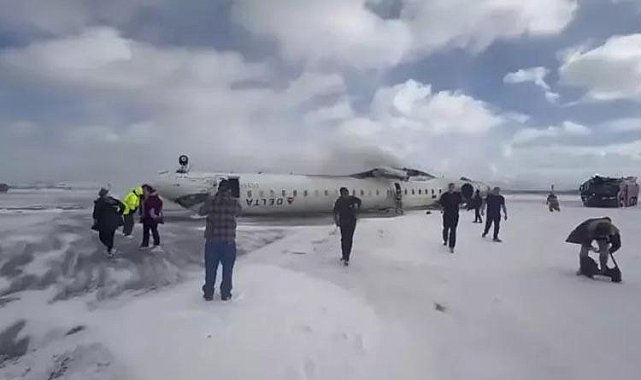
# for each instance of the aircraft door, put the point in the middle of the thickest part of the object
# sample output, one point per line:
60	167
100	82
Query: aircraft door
398	197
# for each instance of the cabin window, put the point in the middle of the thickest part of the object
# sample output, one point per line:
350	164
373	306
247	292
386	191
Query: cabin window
305	193
420	191
327	193
439	191
272	193
413	193
362	192
261	194
249	193
377	192
284	192
354	192
295	192
316	193
405	191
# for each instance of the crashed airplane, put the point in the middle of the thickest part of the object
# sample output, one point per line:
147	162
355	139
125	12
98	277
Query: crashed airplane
380	189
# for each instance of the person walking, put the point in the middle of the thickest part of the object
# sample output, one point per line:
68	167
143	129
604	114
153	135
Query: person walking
450	203
220	240
345	209
152	216
107	217
398	199
553	201
477	203
495	202
132	203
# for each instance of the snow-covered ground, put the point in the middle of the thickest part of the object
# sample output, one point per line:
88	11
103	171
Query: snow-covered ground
405	309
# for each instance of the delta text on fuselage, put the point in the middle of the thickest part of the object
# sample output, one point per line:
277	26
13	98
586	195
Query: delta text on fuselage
267	194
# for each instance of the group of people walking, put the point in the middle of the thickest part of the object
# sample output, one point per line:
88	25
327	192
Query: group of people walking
109	214
222	210
450	203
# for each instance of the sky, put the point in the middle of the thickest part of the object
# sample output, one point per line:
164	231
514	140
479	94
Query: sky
519	93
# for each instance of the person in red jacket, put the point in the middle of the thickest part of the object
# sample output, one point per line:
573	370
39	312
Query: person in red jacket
151	216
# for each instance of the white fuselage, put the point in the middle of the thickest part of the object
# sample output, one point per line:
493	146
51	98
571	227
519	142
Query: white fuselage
265	194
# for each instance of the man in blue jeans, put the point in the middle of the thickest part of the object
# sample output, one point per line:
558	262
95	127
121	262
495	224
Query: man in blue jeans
220	246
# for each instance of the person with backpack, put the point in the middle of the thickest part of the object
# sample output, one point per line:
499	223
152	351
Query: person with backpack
107	217
607	237
220	240
152	216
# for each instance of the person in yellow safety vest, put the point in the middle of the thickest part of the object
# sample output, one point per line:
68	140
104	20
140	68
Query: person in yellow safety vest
132	203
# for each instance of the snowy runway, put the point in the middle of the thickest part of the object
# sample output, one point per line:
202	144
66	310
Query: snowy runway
513	310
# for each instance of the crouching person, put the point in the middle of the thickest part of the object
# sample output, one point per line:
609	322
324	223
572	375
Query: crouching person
220	240
607	237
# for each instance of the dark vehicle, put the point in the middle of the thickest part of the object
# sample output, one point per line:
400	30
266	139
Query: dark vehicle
610	192
4	188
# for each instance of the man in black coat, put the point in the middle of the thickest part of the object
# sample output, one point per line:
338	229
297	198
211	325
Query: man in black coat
107	216
450	204
345	210
495	203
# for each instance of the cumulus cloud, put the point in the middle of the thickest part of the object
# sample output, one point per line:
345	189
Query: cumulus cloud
476	24
60	17
617	62
568	128
101	58
624	125
348	32
102	90
534	75
331	31
414	106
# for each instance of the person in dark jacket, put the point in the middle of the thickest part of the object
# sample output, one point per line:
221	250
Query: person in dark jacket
495	202
220	240
151	216
450	204
477	203
553	201
107	216
606	235
345	210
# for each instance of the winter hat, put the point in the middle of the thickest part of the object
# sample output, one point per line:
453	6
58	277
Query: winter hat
103	192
